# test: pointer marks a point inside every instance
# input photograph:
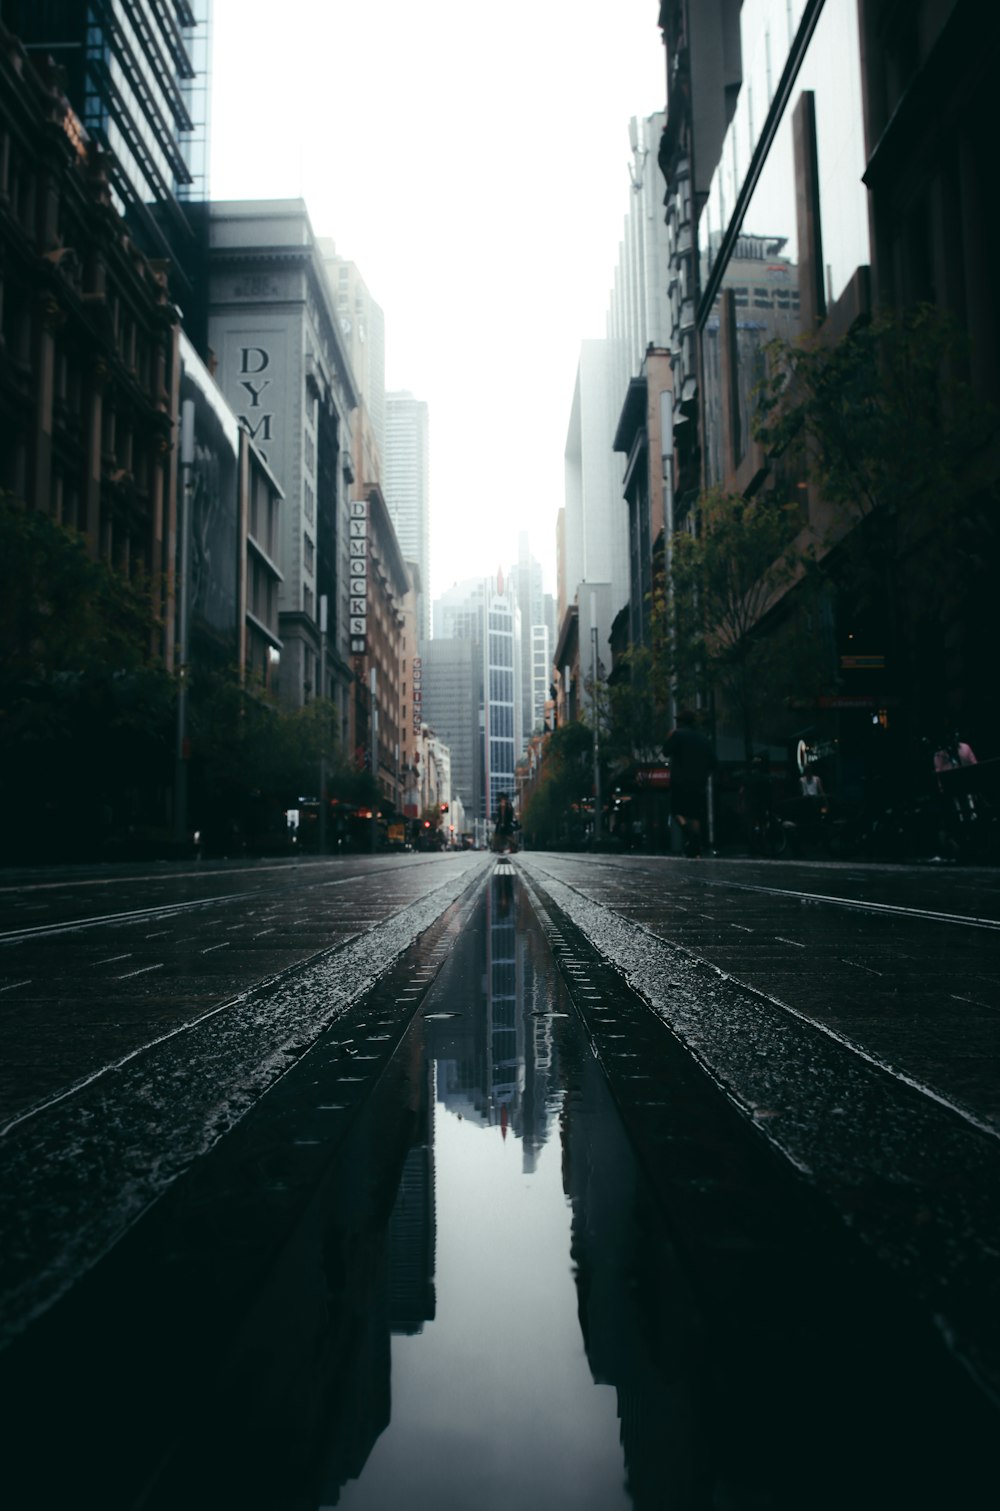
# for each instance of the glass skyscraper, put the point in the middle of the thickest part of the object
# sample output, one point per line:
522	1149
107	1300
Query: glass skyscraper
406	485
501	688
136	73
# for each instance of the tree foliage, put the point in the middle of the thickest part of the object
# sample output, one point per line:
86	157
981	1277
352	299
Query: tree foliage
640	697
251	759
723	581
88	716
894	442
883	420
85	710
553	814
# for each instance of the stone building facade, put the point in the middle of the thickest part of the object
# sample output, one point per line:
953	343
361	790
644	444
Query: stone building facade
281	363
88	340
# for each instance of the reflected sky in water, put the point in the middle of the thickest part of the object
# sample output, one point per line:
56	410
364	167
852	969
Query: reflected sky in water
496	1393
512	1389
479	1306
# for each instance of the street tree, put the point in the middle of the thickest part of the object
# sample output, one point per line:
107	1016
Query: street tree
723	580
86	709
891	437
554	812
640	697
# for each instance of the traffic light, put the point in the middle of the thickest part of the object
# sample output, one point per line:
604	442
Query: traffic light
444	807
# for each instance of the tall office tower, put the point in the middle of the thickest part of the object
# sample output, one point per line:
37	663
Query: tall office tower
595	532
458	613
638	309
527	577
504	1010
501	691
137	75
542	651
362	326
406	485
549	616
452	705
482	613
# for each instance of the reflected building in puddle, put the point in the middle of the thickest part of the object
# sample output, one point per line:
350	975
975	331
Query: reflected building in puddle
372	1368
496	1065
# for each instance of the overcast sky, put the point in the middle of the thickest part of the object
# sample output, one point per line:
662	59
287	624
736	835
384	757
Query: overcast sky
472	159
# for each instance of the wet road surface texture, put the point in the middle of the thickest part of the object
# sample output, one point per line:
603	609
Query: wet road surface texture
499	1230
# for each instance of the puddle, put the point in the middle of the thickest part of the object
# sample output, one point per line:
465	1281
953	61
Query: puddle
479	1309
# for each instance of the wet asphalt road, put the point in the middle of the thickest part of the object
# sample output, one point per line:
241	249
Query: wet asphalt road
845	1017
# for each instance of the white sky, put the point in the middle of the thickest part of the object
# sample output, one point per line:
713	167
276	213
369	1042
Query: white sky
472	160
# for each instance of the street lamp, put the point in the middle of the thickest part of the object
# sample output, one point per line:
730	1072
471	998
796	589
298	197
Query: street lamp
183	573
594	711
323	722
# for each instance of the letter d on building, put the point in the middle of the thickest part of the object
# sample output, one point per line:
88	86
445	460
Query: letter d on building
248	354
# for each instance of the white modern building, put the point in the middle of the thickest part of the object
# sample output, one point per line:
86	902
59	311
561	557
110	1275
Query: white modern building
639	310
362	328
595	532
596	522
406	485
502	739
542	651
472	688
527	576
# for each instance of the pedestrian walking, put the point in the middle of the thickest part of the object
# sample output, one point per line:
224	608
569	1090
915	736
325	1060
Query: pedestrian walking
503	834
692	762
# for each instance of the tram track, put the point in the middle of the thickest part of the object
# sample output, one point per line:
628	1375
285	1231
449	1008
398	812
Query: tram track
161	910
910	1171
630	871
79	1169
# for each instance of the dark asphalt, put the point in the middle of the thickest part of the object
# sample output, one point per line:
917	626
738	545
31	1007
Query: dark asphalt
846	1016
95	965
495	1235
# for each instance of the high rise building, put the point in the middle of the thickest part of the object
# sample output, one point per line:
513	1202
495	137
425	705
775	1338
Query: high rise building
458	613
527	576
406	484
542	651
595	544
595	530
452	705
362	326
638	310
483	718
501	691
137	76
538	640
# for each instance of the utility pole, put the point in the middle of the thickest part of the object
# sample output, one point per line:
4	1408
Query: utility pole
373	676
324	722
183	575
596	716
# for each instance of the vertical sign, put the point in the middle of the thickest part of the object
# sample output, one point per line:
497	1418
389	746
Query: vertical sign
418	694
358	576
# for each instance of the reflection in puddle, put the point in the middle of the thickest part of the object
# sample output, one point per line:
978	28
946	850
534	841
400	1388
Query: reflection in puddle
530	1380
480	1308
